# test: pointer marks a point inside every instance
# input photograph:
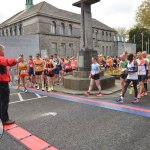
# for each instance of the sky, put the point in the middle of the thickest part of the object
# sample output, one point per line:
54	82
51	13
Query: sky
114	13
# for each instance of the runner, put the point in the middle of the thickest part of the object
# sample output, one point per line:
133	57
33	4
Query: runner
141	73
57	63
74	63
123	68
147	63
49	71
68	68
23	72
31	71
132	69
38	69
94	77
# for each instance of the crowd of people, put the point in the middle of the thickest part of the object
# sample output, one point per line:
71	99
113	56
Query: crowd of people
44	73
134	72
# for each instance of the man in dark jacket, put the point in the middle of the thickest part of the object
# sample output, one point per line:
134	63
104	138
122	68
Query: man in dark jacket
4	86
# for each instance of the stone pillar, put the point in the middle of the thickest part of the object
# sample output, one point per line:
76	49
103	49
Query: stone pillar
86	44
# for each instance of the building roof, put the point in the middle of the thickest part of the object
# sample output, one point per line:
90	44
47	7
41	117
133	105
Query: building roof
47	9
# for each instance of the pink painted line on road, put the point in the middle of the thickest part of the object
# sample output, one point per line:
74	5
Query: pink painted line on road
27	139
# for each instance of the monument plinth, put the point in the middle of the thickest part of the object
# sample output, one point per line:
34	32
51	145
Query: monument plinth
80	80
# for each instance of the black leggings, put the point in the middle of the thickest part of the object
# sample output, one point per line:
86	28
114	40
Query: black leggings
128	81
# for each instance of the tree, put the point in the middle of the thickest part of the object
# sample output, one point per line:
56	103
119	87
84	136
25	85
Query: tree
122	31
135	35
143	15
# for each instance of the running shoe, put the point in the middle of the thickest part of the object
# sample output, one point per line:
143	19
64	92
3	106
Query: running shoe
145	93
25	90
136	100
87	93
99	94
142	94
18	87
52	88
49	89
43	89
120	100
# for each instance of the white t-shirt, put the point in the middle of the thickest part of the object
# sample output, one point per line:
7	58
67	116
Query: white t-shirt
131	67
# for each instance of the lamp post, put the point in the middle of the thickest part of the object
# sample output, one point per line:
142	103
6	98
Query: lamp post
142	41
148	46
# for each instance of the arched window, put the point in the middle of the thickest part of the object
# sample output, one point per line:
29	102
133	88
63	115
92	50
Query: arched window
62	29
53	27
6	32
106	33
10	31
20	29
15	30
70	30
3	34
102	33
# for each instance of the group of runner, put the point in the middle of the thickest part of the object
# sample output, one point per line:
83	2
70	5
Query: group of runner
134	71
44	73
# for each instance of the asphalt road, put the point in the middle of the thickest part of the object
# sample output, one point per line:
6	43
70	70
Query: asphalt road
70	125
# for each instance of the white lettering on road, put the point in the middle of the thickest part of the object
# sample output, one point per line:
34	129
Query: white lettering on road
49	114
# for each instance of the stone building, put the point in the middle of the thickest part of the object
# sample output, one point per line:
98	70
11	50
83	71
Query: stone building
58	30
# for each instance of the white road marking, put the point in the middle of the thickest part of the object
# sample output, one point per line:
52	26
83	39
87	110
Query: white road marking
20	97
38	95
15	93
26	100
49	114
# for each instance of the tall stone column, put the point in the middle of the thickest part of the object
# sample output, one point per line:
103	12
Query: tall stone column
86	44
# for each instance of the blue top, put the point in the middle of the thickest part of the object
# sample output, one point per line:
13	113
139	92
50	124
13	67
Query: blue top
95	68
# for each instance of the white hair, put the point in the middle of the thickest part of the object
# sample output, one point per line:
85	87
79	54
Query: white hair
2	47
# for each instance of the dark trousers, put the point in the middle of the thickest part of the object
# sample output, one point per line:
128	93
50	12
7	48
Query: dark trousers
134	82
4	101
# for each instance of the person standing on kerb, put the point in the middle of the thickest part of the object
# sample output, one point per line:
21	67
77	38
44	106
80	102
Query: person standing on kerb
4	86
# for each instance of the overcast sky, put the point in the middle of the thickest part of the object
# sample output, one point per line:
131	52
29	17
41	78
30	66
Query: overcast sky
114	13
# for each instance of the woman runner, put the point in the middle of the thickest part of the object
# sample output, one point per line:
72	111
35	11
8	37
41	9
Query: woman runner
49	71
94	77
23	73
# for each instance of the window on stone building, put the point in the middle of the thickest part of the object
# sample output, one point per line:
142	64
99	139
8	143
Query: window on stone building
103	50
71	49
20	29
3	33
15	30
53	27
6	32
10	31
106	33
53	48
70	30
110	34
62	29
107	52
110	50
63	49
102	33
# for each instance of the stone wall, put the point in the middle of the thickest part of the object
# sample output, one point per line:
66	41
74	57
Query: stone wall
15	45
46	42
